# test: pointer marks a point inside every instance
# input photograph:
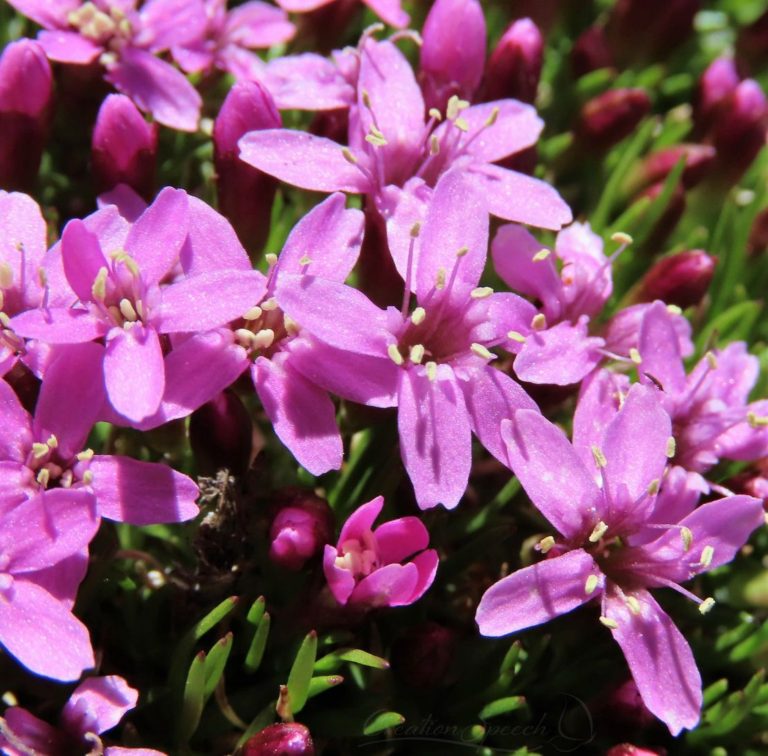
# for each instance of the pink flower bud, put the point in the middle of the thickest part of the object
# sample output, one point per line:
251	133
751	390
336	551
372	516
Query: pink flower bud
245	194
611	116
422	656
739	132
287	739
590	52
627	749
681	279
124	148
302	526
718	81
514	67
699	158
221	434
26	96
453	51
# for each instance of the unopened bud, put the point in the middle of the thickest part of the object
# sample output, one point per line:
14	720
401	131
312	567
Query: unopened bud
302	526
718	81
285	739
699	158
514	68
590	52
681	279
611	116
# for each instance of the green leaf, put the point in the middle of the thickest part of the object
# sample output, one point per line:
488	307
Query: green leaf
263	719
258	644
383	720
256	612
331	662
319	685
735	323
502	706
215	663
301	672
193	700
714	692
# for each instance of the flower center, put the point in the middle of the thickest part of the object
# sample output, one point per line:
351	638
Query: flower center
51	470
101	27
263	327
360	557
119	291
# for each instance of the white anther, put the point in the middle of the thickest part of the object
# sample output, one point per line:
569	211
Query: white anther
671	447
254	313
394	354
482	351
634	355
417	354
418	315
591	585
598	456
609	623
481	292
598	532
539	322
621	238
706	605
545	544
431	370
542	254
127	310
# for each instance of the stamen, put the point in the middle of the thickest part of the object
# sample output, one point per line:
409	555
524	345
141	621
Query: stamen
44	477
687	537
418	315
673	309
671	447
633	604
516	336
417	354
542	254
461	124
621	238
454	107
306	260
609	623
434	145
269	304
376	139
706	606
706	556
756	421
711	360
348	156
634	355
431	368
436	114
493	117
271	259
598	456
482	351
539	322
254	313
85	455
591	585
99	288
599	531
124	258
127	310
88	477
415	230
5	320
440	278
39	450
394	354
545	544
263	339
290	325
52	442
462	251
139	305
481	292
6	275
653	487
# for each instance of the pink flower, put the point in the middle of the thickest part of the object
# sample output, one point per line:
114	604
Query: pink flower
95	706
389	11
365	567
611	547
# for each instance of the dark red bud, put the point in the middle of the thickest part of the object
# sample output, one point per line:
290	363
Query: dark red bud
719	80
514	68
288	739
627	749
699	158
123	148
245	194
611	116
302	525
221	435
590	52
681	279
739	132
422	656
758	234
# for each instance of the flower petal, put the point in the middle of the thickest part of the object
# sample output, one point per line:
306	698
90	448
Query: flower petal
16	438
659	350
69	47
98	704
426	564
59	325
538	593
361	520
340	581
82	257
391	585
398	539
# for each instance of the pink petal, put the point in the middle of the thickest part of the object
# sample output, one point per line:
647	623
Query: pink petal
142	493
660	660
456	220
538	593
22	225
340	581
361	520
339	315
194	58
426	564
561	355
208	300
156	238
98	704
659	349
45	13
129	204
435	436
513	251
516	197
166	23
302	415
516	128
635	448
301	159
16	438
69	47
307	81
64	578
492	396
389	11
396	540
551	473
37	736
302	6
743	441
329	236
33	623
157	87
256	24
57	325
391	585
82	257
134	373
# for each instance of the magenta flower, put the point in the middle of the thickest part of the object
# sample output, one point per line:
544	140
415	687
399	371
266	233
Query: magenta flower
126	41
366	567
432	362
95	706
230	36
555	346
124	300
610	548
46	454
38	536
301	527
389	11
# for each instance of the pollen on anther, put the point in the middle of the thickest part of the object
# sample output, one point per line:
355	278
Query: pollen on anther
539	322
52	441
306	260
349	156
269	304
39	450
85	455
687	537
706	606
516	336
633	604
431	368
621	238
436	114
271	259
598	532
542	254
653	487
481	292
673	309
434	145
88	477
493	117
127	310
671	447
417	354
711	360
598	456
253	314
591	585
415	230
418	315
545	544
634	355
482	351
44	477
440	279
707	553
609	623
394	354
99	288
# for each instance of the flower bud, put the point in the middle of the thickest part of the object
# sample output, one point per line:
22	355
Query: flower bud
302	526
514	67
124	148
627	749
649	29
758	234
699	158
719	80
681	279
753	481
287	739
453	51
739	132
221	435
590	52
611	116
245	194
26	96
422	656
